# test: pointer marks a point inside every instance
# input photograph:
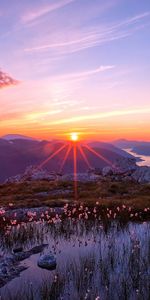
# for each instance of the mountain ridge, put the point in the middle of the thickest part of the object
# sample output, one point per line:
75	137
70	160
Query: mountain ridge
16	155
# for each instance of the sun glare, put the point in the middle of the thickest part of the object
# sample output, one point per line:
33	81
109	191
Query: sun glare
74	137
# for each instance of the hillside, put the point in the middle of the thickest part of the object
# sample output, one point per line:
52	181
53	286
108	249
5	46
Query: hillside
16	155
139	147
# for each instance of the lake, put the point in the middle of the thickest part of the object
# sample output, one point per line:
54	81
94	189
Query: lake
145	159
96	259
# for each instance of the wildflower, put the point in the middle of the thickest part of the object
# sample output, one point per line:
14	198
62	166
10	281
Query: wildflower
13	222
80	216
2	212
74	210
55	278
94	210
86	216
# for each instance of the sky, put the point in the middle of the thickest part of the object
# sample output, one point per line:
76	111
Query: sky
75	66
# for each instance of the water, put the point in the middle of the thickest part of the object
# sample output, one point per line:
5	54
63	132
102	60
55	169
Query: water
145	159
95	260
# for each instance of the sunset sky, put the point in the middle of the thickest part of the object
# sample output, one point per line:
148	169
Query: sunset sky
75	66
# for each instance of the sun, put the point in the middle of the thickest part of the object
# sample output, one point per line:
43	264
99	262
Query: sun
74	136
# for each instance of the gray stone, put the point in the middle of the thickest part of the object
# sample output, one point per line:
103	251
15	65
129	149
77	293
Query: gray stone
106	171
47	261
125	165
142	174
19	249
10	265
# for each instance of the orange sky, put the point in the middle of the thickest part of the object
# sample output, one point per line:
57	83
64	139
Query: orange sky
75	66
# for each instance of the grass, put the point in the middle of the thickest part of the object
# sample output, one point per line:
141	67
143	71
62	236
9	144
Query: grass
108	193
115	267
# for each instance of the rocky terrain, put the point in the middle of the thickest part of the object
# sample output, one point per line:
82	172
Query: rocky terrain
124	169
123	182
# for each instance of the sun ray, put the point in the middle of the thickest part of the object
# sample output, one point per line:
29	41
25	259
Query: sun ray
84	157
51	156
65	158
75	169
99	155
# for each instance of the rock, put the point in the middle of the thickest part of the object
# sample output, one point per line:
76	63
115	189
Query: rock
142	174
47	262
33	173
82	177
14	179
38	249
127	179
10	265
25	254
19	249
106	171
125	165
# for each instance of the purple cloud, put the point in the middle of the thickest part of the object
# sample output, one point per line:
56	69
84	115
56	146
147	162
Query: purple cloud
6	80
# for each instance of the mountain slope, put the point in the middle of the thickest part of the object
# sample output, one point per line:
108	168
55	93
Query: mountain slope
122	143
9	137
18	154
108	146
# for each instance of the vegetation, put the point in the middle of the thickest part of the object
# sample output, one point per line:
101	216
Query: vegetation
97	258
44	193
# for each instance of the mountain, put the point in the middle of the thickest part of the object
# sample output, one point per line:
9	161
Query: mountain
16	155
138	147
142	149
126	144
108	146
9	137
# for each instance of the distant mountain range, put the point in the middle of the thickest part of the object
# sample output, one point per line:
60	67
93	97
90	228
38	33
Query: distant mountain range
108	146
19	152
9	137
139	147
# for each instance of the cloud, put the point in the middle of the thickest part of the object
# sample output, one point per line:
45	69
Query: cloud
102	115
6	80
84	74
35	14
42	115
91	36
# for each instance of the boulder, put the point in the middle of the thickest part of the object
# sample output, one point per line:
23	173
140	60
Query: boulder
142	174
107	171
47	261
10	265
125	165
33	173
16	250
